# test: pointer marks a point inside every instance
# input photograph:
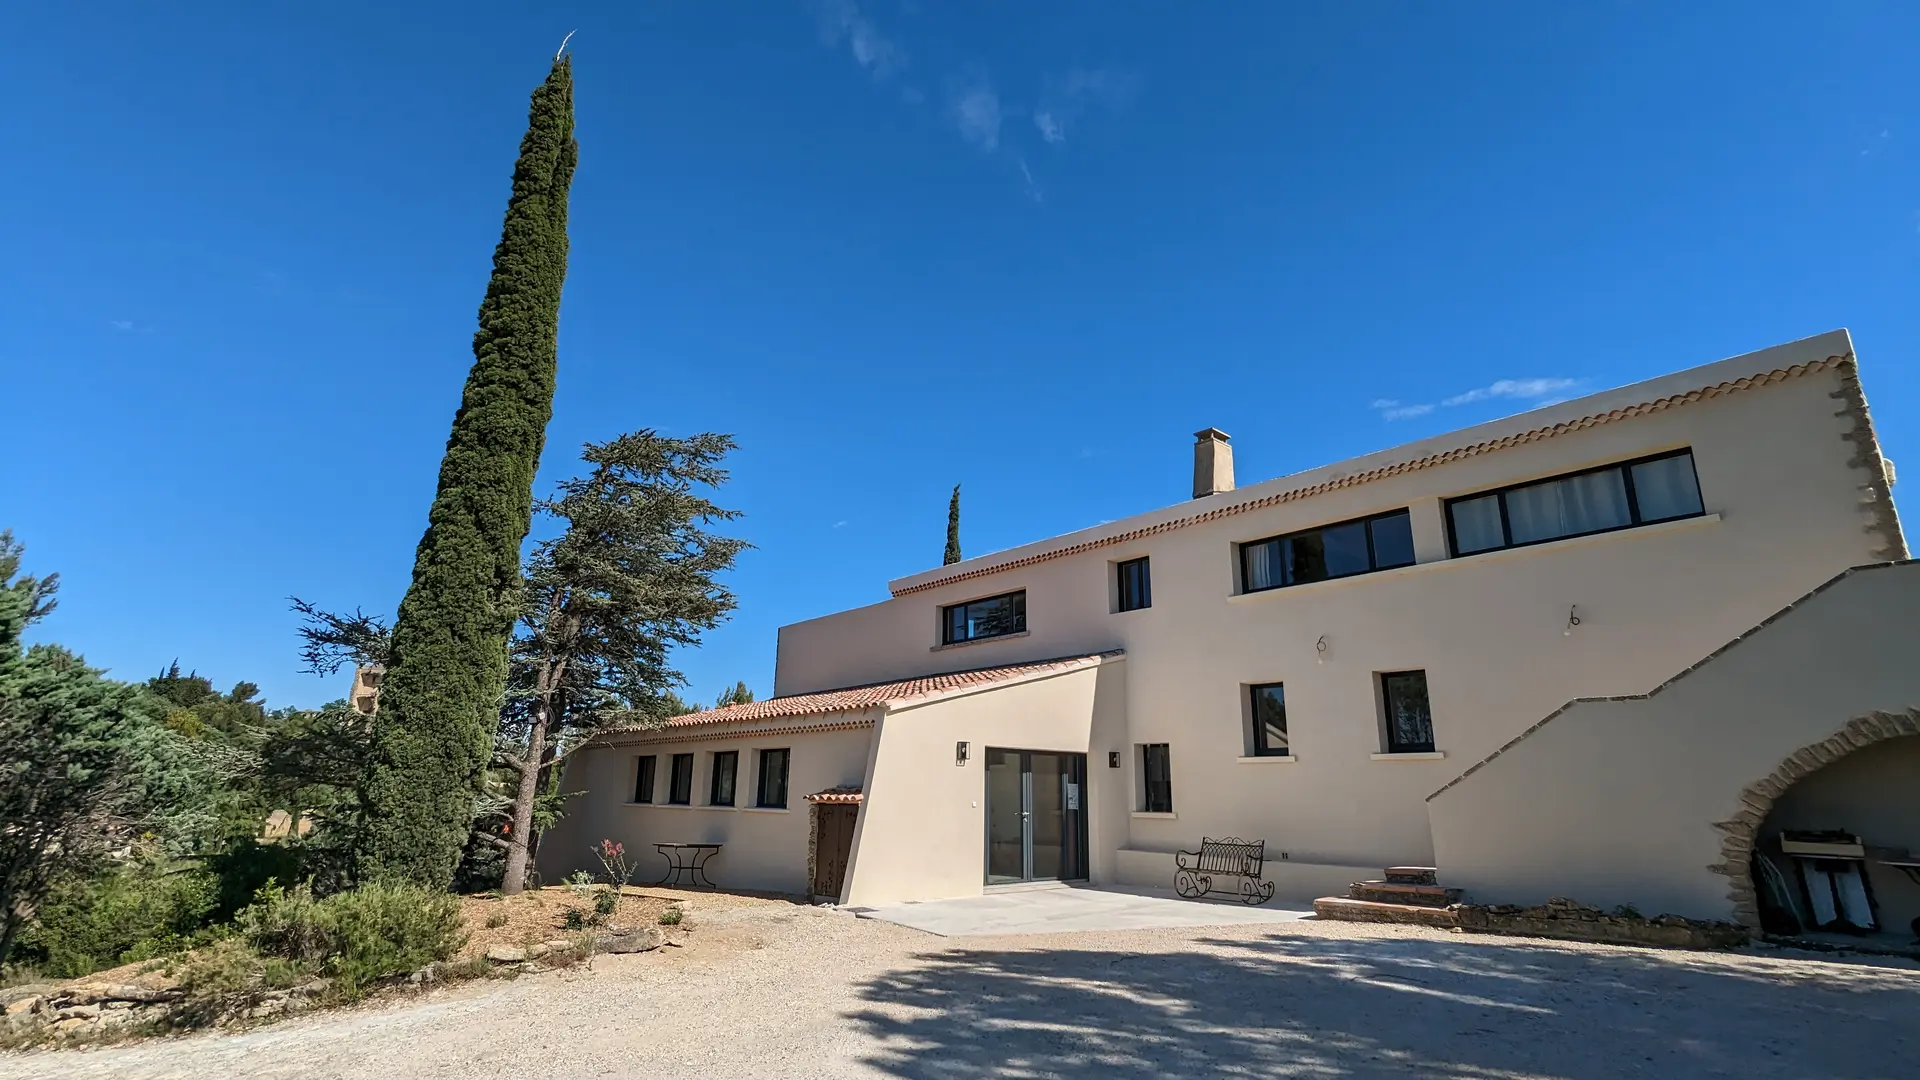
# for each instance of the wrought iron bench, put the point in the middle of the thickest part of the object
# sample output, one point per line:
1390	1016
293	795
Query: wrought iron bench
1242	861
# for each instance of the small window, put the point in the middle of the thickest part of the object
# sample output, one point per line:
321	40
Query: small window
772	792
1643	492
643	771
1156	773
1409	716
680	783
1331	551
995	616
1269	714
1135	586
726	769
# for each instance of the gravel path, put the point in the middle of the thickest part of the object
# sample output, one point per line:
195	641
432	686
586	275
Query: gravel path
772	990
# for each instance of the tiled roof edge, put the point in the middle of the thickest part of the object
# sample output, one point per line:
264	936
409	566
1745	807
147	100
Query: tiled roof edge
1446	457
1043	669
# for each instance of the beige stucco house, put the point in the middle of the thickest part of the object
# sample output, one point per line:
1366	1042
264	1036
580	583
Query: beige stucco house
1353	664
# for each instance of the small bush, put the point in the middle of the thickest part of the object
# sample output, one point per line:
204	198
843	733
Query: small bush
575	918
606	902
671	917
581	883
224	978
357	937
497	920
134	910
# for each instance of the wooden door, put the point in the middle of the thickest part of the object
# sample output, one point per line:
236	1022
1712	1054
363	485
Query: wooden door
832	846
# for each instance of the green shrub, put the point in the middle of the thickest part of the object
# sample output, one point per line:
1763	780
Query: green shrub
133	910
606	902
357	937
671	917
576	918
497	920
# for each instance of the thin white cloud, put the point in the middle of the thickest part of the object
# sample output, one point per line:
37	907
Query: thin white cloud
841	21
1521	389
122	325
839	524
1033	189
1064	98
1539	392
975	107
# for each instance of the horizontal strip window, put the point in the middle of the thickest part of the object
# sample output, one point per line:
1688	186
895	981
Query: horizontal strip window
1381	542
994	616
1619	496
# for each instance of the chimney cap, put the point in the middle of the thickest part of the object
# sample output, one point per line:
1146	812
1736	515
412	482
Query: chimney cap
1213	433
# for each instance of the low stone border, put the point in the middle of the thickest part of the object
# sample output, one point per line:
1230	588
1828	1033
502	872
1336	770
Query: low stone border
1572	921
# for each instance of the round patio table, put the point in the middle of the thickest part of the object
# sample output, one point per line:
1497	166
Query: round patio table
687	860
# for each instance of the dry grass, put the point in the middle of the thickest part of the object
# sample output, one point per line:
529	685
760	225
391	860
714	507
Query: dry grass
541	915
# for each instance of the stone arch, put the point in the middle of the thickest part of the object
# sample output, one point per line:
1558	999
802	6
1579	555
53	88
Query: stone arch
1742	830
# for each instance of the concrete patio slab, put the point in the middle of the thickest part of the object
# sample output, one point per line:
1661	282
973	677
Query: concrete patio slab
1065	909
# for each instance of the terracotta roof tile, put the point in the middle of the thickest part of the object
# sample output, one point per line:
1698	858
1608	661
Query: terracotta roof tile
877	695
837	795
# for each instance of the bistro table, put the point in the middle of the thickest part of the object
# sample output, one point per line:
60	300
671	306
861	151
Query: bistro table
688	860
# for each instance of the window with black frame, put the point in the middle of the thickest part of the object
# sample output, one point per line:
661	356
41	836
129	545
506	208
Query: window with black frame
988	617
771	794
680	781
726	770
1135	585
1156	774
643	770
1621	496
1362	546
1409	716
1269	715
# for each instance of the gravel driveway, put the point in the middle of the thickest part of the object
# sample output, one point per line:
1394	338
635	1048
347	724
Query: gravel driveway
771	990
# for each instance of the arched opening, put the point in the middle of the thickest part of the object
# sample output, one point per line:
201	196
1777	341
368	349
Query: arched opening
1829	844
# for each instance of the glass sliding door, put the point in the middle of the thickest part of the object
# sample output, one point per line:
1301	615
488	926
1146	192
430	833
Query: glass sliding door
1036	817
1006	818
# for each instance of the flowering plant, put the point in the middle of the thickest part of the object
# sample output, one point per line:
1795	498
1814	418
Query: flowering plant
613	857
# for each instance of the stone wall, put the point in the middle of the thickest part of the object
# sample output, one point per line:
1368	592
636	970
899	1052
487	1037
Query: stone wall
1565	919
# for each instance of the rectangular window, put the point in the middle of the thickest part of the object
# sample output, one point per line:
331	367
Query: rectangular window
995	616
1661	488
1409	716
726	768
643	777
1331	551
772	793
1270	720
1136	588
1156	770
680	781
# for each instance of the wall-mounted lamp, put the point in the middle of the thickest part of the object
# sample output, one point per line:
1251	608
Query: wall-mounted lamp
959	753
1573	620
1320	650
1113	759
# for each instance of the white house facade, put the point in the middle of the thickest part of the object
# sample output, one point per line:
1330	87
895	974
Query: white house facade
1344	663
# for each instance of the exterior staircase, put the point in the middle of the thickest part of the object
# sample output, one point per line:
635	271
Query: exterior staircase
1407	894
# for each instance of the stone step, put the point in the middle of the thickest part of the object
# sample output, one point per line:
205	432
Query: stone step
1346	909
1413	875
1393	892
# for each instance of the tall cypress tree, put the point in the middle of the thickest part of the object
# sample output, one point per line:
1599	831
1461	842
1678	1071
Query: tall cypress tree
953	528
441	697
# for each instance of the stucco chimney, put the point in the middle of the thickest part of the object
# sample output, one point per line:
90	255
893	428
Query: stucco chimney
1212	463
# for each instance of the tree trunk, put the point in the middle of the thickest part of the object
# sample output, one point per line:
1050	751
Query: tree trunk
520	833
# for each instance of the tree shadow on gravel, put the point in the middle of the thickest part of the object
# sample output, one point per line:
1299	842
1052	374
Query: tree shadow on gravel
1286	1005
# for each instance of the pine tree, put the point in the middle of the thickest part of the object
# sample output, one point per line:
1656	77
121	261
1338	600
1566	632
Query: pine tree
953	528
738	695
442	694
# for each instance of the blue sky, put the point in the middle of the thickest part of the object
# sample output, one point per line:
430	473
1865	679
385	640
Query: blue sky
890	246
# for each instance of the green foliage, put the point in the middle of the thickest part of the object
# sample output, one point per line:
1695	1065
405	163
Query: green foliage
358	937
443	690
195	710
953	529
226	978
498	919
671	917
132	910
605	903
738	695
575	918
70	782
